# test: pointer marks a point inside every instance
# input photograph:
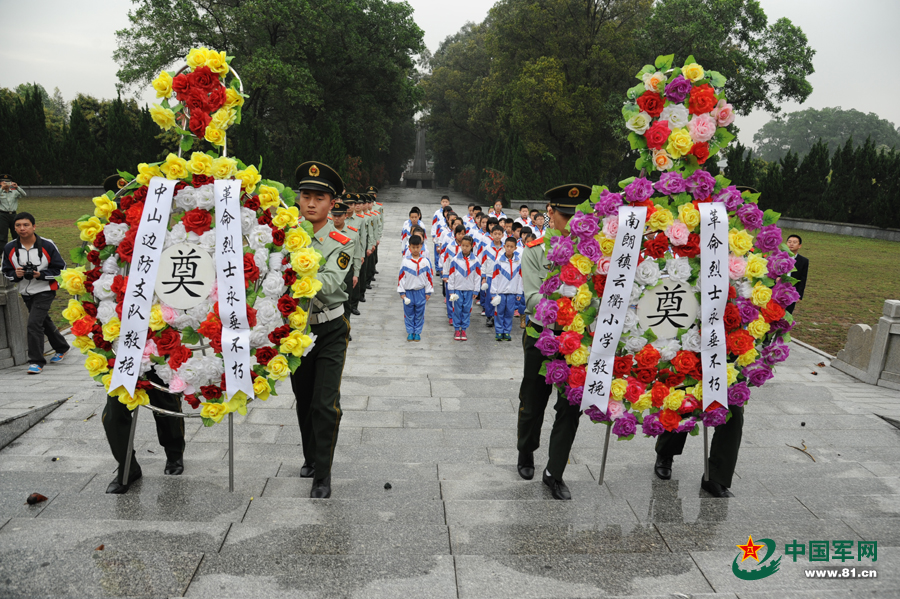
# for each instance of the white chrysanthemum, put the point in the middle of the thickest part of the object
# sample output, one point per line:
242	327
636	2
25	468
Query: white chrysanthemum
164	371
667	348
207	241
311	345
273	285
744	288
679	269
631	320
647	273
275	262
178	234
185	320
691	340
248	221
636	291
676	114
110	265
205	197
259	336
103	287
261	257
634	344
259	236
267	311
186	199
115	233
106	310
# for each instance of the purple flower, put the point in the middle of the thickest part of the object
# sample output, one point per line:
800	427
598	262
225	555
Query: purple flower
546	312
608	204
785	294
590	249
596	414
670	184
583	225
638	190
715	417
687	425
701	184
678	89
783	326
738	394
561	250
626	425
757	373
550	285
768	239
731	198
775	352
751	216
781	263
547	343
746	309
557	372
573	395
652	426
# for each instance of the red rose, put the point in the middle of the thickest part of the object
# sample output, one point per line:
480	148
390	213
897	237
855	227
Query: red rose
216	99
566	313
572	276
689	404
648	356
168	341
703	99
691	249
569	342
126	202
670	419
634	390
599	283
201	180
83	326
211	391
179	186
117	217
93	256
99	242
265	218
204	79
252	203
278	237
772	312
264	354
739	342
102	343
732	317
119	310
656	247
251	270
657	135
140	194
181	83
701	151
119	285
622	366
197	221
652	103
687	362
658	394
90	308
133	215
199	122
577	375
251	317
290	277
280	333
211	328
192	400
732	292
645	374
195	100
286	305
179	356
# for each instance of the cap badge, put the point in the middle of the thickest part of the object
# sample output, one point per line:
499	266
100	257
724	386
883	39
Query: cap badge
573	193
314	171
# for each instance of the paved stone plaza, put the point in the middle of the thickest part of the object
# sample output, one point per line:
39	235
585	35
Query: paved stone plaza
436	420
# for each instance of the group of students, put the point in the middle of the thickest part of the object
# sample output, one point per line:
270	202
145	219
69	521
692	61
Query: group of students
477	257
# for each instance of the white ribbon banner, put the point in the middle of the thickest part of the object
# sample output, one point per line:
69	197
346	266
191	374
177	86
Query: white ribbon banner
616	298
714	294
148	245
231	290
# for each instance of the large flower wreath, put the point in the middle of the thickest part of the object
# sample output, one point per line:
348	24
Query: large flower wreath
657	381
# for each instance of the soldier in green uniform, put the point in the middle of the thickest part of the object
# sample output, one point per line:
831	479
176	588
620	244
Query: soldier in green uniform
371	222
317	382
367	238
379	228
534	392
339	219
357	221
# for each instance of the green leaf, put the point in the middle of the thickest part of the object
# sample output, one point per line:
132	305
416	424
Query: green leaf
664	63
207	421
716	79
293	362
689	60
636	91
680	199
648	69
644	162
182	131
625	182
78	254
307	226
543	370
790	279
126	175
638	142
650	336
585	207
237	115
770	217
767	282
532	332
157	359
189	336
83	218
251	297
289	197
629	110
723	137
696	430
675	73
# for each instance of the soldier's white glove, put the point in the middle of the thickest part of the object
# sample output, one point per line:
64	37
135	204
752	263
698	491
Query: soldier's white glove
484	286
567	290
453	297
496	301
406	301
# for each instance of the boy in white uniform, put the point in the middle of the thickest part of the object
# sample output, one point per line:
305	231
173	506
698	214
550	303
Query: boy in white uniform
415	286
506	287
463	273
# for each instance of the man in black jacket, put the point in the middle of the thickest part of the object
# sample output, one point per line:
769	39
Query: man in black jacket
794	243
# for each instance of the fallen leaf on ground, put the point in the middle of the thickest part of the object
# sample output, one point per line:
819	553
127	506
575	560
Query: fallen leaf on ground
35	498
100	548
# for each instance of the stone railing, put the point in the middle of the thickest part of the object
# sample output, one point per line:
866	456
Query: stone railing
873	356
13	326
65	191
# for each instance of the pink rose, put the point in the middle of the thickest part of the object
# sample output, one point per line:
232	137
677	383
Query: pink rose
678	233
615	410
149	350
603	265
723	113
702	128
214	292
737	266
177	384
168	313
611	226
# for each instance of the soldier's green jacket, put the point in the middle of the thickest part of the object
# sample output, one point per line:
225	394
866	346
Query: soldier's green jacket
359	221
357	246
370	222
338	258
380	221
535	267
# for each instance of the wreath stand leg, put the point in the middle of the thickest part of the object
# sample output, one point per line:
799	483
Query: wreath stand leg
231	452
130	449
605	451
705	454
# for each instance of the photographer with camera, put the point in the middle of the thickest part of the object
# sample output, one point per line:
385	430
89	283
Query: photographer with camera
34	263
9	205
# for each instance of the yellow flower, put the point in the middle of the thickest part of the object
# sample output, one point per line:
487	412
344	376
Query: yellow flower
197	57
295	343
73	280
147	172
582	263
250	178
238	403
306	287
286	217
689	215
674	399
261	388
278	368
661	219
217	63
201	164
163	85
224	168
758	328
747	358
618	388
696	391
268	197
233	98
106	379
214	411
582	298
757	266
760	295
95	364
576	325
163	117
732	374
607	246
103	207
89	228
739	242
693	72
661	160
223	118
298	318
84	343
112	328
680	143
296	240
643	403
140	397
579	356
156	318
74	311
175	167
305	262
214	135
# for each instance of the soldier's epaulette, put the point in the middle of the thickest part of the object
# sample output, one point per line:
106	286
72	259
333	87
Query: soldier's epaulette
536	242
354	229
330	217
339	237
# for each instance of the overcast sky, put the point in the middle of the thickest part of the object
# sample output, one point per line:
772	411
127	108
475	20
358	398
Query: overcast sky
58	43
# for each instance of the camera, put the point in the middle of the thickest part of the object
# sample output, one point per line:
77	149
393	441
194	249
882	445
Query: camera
30	271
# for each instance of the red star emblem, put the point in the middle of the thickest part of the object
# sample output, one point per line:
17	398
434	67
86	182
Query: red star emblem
750	550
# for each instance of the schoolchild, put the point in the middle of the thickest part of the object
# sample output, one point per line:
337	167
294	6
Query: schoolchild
415	217
497	212
506	287
451	249
415	287
490	255
463	280
523	219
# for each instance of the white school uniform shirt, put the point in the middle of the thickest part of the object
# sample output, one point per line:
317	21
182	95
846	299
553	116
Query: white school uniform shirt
406	252
525	222
415	273
437	220
498	216
507	275
464	273
407	233
489	257
450	250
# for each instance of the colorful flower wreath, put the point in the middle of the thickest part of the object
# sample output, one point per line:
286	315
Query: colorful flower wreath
657	382
205	107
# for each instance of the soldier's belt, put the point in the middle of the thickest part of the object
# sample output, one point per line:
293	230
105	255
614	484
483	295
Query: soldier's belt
326	315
